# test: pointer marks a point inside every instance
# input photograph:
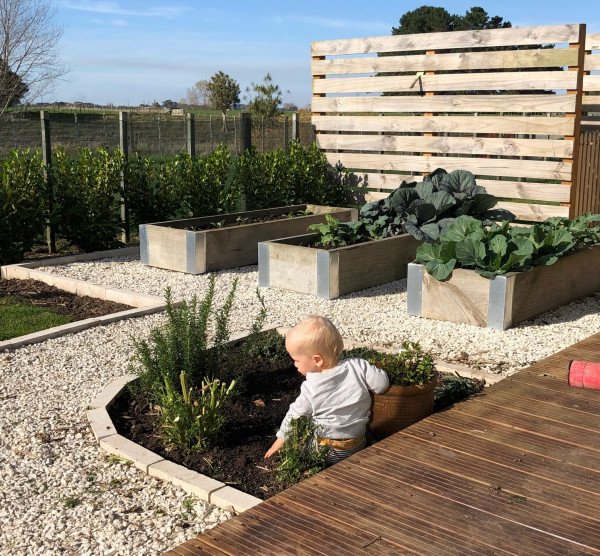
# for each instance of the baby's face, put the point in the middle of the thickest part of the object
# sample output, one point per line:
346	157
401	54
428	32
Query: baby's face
304	362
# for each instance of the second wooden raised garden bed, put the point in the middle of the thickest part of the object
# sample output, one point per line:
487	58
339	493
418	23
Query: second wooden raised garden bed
175	245
507	299
290	264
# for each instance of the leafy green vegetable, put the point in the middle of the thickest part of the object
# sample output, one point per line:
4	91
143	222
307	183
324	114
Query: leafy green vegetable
333	233
495	249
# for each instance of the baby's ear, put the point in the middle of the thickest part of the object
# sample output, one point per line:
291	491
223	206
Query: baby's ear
318	359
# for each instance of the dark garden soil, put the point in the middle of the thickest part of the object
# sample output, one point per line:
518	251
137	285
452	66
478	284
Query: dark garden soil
59	301
243	221
252	420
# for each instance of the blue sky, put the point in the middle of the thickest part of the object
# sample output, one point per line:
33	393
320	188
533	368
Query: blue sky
128	52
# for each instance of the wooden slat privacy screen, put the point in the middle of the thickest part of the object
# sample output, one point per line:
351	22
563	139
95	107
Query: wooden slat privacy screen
499	103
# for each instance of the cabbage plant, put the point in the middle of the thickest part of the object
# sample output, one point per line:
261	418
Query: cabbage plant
493	249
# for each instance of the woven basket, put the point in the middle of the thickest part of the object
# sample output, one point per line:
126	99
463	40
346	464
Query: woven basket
400	407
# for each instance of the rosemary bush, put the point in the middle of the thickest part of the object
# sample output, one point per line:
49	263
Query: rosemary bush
183	343
301	456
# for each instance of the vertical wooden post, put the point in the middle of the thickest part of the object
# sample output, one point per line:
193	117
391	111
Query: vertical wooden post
575	182
47	162
245	145
124	145
245	132
428	114
295	127
285	133
191	135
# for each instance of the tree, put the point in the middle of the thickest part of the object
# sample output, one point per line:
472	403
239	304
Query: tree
197	95
267	99
223	93
29	51
430	19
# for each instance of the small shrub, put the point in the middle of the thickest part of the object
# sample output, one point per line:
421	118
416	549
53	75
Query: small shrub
22	204
301	456
192	418
87	191
410	366
182	345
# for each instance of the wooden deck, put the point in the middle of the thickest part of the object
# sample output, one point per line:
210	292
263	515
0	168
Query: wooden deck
514	471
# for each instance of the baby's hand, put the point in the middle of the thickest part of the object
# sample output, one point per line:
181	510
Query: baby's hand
277	445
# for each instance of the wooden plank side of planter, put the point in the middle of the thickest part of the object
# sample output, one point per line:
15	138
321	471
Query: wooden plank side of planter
288	265
167	245
463	298
291	267
373	263
547	287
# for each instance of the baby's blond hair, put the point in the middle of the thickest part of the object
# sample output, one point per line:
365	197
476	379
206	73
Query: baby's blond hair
318	335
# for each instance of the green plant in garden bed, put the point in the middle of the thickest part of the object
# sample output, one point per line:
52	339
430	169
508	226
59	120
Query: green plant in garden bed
301	456
18	318
491	250
186	376
22	204
192	418
421	209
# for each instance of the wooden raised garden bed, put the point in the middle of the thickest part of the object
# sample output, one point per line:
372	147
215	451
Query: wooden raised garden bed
170	245
505	300
289	264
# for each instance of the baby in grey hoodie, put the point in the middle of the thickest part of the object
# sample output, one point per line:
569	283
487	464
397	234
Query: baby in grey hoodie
336	394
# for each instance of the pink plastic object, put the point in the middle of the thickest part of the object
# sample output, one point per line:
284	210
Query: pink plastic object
584	374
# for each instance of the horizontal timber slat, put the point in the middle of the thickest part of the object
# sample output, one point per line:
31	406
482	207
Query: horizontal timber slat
509	189
503	81
591	83
540	58
440	41
591	102
592	41
592	62
448	103
479	166
447	145
556	125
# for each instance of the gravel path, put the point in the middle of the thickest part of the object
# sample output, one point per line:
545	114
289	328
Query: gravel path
60	494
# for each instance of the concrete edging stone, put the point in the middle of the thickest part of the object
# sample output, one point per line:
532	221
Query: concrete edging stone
143	304
203	487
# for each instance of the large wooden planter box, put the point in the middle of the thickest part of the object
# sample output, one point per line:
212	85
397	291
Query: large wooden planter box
506	300
168	245
329	273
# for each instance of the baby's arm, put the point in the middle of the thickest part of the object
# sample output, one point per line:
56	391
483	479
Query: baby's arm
376	378
301	406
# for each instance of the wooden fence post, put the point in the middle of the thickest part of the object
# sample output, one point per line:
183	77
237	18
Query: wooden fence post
245	132
285	133
47	161
124	144
191	134
295	127
245	144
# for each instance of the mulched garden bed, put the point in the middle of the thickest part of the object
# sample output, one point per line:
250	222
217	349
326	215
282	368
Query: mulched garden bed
252	420
64	303
269	385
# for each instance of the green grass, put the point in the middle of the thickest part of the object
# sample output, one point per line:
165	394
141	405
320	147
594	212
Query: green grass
18	318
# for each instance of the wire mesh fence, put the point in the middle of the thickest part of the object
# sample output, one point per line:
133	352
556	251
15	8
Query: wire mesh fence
148	134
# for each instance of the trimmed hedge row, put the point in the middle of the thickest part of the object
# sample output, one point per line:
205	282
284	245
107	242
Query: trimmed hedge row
86	201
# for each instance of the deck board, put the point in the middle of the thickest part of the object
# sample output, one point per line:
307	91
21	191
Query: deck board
515	470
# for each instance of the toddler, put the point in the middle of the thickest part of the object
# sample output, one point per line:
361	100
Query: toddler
335	393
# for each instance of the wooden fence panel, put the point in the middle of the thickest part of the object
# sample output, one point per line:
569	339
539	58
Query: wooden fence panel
511	114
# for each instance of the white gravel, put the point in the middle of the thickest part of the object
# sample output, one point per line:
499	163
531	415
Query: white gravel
60	494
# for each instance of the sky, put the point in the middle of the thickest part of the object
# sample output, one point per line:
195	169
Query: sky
139	51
